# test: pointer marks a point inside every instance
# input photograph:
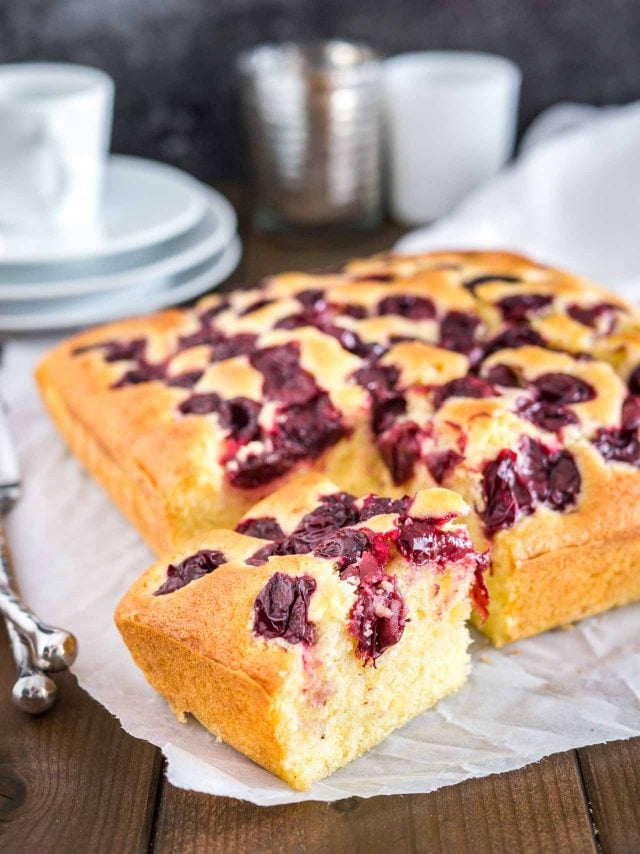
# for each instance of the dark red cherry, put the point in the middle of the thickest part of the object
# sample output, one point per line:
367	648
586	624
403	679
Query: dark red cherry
520	307
124	351
442	463
281	609
377	379
457	332
293	321
472	284
301	431
424	541
620	446
378	618
374	277
634	381
284	379
352	342
468	386
185	380
547	416
192	567
479	594
368	571
385	411
563	388
406	305
256	306
373	505
400	448
202	404
503	375
240	416
312	298
631	413
208	314
243	344
564	481
116	351
401	339
307	429
512	338
260	468
534	467
359	312
262	555
345	546
387	403
590	315
89	348
506	493
512	487
205	335
334	511
264	528
144	372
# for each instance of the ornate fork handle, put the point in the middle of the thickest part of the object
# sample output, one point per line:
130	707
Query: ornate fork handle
52	649
33	691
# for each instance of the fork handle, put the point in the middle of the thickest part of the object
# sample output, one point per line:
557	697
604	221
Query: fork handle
52	649
33	692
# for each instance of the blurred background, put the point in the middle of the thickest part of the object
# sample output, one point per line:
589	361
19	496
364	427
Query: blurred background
172	60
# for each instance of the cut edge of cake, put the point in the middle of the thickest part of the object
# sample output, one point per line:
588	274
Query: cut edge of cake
371	638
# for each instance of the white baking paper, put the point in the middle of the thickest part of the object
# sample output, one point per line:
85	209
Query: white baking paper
574	200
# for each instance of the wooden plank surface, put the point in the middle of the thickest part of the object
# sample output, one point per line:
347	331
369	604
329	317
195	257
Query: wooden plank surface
611	775
540	808
264	254
74	781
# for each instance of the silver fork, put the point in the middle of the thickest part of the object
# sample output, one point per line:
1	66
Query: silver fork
36	646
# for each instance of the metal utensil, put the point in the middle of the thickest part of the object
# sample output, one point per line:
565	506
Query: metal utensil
33	692
53	649
313	119
35	645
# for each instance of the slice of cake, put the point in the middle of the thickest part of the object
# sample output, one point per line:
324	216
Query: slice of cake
320	626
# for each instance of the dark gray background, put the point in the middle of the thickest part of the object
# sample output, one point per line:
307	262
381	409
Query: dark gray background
173	59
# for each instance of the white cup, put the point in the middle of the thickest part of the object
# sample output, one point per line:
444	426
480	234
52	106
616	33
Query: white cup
55	131
450	125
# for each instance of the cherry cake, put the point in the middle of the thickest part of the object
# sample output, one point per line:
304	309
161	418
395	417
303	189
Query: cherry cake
514	384
316	627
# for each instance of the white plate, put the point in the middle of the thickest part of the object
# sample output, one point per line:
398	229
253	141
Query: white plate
145	202
53	281
88	310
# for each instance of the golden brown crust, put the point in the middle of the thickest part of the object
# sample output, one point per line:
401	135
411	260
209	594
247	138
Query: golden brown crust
559	587
232	705
130	488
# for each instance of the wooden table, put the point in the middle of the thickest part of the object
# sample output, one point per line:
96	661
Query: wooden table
74	781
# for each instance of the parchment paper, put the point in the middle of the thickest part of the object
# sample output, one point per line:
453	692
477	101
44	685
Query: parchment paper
75	554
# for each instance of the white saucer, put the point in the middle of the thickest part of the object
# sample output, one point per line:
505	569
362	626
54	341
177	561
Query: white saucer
88	310
145	203
54	281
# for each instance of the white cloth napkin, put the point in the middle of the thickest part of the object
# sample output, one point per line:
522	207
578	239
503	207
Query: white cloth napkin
572	200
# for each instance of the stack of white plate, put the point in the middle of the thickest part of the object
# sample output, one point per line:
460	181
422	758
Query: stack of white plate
163	238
